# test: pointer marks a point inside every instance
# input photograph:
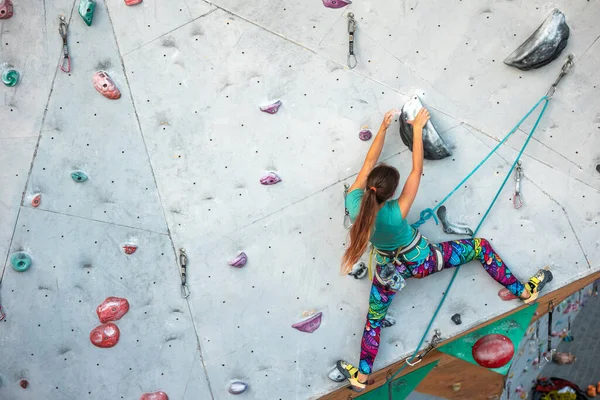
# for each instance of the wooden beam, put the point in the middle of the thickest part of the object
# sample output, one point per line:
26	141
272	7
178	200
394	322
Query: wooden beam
380	377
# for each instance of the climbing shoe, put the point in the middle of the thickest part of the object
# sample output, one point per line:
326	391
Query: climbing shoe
535	285
351	373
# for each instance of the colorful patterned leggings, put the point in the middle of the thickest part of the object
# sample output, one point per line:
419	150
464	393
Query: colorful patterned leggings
455	253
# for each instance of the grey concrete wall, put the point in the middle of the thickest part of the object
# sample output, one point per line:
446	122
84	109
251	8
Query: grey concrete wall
176	162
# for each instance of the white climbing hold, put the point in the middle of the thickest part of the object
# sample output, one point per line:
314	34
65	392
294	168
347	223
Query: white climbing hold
237	387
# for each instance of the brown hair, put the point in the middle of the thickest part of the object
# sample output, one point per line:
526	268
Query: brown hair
381	185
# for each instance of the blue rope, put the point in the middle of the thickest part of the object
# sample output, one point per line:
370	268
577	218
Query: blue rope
428	212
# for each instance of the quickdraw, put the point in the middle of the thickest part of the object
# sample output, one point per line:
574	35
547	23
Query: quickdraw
65	64
351	29
185	290
568	337
563	72
437	337
517	199
347	220
550	350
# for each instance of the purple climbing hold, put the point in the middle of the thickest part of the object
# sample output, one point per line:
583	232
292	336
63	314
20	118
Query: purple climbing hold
239	261
237	387
6	9
272	108
270	179
365	135
309	325
336	3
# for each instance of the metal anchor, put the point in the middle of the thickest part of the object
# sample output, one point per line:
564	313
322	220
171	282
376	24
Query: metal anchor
347	220
185	291
351	29
65	64
517	198
437	337
449	227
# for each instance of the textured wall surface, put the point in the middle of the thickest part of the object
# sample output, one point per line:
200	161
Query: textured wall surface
176	162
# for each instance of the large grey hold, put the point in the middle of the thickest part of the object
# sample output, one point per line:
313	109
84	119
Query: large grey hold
237	386
544	45
434	147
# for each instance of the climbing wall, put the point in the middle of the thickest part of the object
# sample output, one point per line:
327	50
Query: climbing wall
176	163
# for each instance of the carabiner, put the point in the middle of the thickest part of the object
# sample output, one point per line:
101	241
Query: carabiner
517	198
65	64
347	220
566	68
185	290
436	338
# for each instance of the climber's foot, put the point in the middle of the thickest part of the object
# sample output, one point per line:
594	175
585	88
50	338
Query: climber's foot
535	285
351	373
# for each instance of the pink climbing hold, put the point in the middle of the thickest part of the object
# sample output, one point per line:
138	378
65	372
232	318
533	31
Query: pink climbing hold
6	9
271	108
105	335
336	3
105	85
155	396
270	179
24	383
506	295
132	2
309	325
493	351
240	260
129	248
365	135
112	309
37	199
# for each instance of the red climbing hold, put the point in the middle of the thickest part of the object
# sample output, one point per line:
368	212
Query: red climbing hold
129	248
155	396
132	2
24	383
112	309
105	85
105	335
6	9
506	295
37	199
493	351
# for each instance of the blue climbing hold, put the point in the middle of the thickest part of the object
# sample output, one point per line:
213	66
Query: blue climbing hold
79	176
20	261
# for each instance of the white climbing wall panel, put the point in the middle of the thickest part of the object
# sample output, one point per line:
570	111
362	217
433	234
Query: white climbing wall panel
176	162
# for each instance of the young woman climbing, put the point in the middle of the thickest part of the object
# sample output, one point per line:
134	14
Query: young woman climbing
401	252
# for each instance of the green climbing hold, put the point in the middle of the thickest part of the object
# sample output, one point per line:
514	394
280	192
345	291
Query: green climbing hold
400	387
86	10
20	261
79	176
10	76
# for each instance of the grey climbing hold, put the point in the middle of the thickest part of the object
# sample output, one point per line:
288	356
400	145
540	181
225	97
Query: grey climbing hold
388	321
359	270
79	176
598	167
544	45
456	319
434	147
449	227
237	387
335	375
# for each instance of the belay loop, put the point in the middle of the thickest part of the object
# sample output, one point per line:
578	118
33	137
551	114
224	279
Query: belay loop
428	212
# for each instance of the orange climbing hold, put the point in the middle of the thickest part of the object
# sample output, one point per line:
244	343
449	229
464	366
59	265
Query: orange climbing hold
105	85
129	248
493	351
105	335
37	199
112	309
155	396
132	2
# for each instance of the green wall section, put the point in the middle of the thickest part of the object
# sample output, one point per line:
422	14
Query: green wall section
401	387
513	327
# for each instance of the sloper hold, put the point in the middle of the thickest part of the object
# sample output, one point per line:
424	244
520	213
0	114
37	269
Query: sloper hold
237	387
309	325
336	3
270	179
6	9
434	147
105	85
449	227
493	351
112	309
154	396
105	335
271	108
86	10
544	45
132	2
240	260
365	135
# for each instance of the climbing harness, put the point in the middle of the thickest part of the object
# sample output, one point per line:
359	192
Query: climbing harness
550	350
517	200
347	220
430	213
351	29
185	290
65	64
435	339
